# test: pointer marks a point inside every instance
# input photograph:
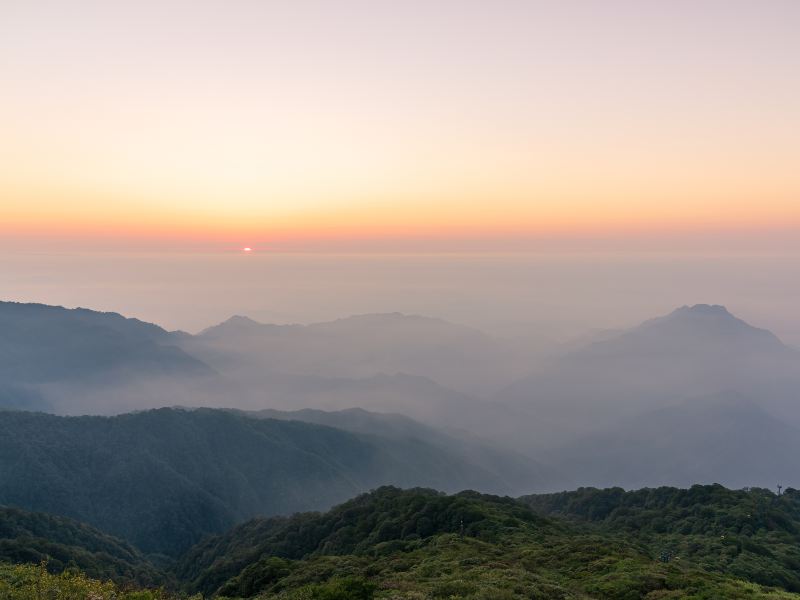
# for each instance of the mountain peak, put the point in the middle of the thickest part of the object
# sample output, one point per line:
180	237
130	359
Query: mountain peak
236	323
704	309
707	323
240	320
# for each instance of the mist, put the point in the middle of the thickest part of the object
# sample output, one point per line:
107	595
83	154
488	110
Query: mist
540	369
399	300
537	297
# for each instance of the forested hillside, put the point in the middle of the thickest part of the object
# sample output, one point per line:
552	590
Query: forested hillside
163	479
62	543
423	544
420	544
356	527
514	473
753	534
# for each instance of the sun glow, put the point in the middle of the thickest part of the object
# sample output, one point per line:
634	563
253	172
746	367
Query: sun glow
554	120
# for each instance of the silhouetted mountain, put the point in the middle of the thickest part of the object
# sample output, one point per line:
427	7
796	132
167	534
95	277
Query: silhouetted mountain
693	351
27	537
359	347
74	361
65	359
81	361
164	478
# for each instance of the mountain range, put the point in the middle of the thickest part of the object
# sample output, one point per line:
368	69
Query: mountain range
331	416
694	351
658	403
358	347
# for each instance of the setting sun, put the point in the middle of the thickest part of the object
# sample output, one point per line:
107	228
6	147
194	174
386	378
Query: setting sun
546	252
557	119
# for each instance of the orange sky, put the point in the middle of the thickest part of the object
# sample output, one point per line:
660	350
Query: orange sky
217	123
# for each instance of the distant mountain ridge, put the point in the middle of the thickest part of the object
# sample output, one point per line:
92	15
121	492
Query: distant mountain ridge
693	351
358	347
60	356
696	395
700	324
58	316
79	361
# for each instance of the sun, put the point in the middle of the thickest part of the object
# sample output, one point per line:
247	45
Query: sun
247	249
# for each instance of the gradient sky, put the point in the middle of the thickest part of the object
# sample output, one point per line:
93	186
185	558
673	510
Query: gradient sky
454	123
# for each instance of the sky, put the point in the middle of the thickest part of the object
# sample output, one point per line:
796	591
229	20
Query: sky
522	166
443	126
544	297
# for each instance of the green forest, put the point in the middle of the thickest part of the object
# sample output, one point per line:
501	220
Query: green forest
207	470
704	542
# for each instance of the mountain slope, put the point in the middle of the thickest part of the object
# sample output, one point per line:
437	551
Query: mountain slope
421	544
752	534
354	527
67	358
205	470
693	351
418	398
705	542
360	347
27	537
514	472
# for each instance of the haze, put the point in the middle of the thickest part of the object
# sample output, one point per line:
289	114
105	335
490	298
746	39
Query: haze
552	296
306	124
363	299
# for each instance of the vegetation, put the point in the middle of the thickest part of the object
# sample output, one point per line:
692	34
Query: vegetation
63	544
420	544
388	517
752	534
35	582
205	470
